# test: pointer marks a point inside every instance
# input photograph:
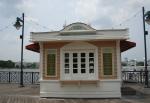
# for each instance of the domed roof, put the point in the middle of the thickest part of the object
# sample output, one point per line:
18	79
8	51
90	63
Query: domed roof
77	26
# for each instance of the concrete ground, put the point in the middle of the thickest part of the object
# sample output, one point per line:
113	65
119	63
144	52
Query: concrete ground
12	93
14	89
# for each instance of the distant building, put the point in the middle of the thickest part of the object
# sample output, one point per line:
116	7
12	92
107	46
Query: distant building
131	62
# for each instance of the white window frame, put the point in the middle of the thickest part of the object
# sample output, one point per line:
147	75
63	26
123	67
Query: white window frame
79	48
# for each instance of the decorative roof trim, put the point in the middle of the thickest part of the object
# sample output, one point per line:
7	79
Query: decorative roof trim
77	27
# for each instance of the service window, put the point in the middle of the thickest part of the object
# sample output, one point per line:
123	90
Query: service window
107	54
51	62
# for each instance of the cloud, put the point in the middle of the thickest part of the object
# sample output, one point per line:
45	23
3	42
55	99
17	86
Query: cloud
86	9
29	18
102	11
99	13
26	5
9	8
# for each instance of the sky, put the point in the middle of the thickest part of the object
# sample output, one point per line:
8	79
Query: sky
48	15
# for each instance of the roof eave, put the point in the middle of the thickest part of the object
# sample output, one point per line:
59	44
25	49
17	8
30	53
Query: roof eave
74	39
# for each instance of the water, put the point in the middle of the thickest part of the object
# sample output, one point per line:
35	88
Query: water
17	69
132	68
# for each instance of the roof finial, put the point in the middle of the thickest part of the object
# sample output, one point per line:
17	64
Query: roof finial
89	23
64	24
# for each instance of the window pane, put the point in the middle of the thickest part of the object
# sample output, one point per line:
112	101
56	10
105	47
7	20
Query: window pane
75	54
82	70
75	70
82	59
91	66
91	71
66	65
75	60
66	71
75	65
66	60
82	54
91	60
66	54
51	59
91	54
107	63
82	65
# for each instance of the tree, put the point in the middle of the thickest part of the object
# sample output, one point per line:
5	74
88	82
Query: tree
140	63
124	64
7	64
33	65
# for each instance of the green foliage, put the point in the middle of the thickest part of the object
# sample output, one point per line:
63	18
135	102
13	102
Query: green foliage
7	64
33	65
140	63
123	63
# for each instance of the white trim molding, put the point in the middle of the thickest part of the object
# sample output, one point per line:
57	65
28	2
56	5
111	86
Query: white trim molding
120	34
41	61
118	55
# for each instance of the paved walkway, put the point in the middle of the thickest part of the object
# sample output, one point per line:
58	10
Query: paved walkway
14	89
11	93
138	87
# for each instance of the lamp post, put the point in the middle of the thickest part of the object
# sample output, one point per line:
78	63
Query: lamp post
18	25
146	18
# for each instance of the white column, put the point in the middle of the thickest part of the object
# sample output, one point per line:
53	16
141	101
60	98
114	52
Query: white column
118	54
144	61
135	64
41	61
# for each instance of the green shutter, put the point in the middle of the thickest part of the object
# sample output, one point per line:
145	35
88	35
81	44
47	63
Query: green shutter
107	61
51	67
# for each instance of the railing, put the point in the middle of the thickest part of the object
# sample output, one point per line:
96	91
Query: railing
14	77
134	76
33	77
